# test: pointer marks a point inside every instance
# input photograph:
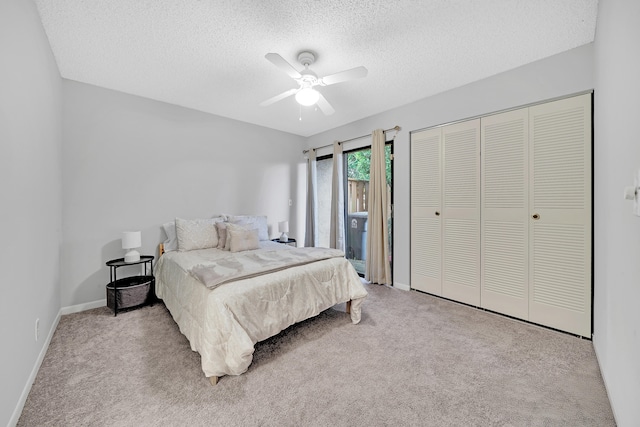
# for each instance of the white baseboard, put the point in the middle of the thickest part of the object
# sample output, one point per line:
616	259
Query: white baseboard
36	367
32	377
82	307
401	286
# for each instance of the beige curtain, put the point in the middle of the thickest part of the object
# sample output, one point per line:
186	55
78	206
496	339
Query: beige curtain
336	238
310	234
377	268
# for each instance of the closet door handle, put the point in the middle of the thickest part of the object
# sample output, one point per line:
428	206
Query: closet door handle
535	216
437	213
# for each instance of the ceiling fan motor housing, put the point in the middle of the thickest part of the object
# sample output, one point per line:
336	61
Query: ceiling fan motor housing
309	78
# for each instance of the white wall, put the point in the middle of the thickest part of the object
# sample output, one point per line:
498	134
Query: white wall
560	75
131	163
617	231
30	141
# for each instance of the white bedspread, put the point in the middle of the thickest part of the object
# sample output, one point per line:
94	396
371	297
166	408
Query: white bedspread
223	324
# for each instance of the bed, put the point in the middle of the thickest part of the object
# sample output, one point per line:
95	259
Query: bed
223	313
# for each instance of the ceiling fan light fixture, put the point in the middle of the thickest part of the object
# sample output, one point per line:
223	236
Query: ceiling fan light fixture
305	93
307	96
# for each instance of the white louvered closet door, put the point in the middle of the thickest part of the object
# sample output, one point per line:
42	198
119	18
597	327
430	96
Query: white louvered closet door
426	237
505	213
560	214
461	212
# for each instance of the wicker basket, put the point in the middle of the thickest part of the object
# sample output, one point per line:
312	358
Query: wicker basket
131	291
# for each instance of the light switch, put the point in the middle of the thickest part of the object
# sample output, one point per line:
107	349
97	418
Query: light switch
633	193
636	202
629	193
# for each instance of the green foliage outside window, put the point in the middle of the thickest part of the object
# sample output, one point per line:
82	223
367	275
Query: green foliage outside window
359	162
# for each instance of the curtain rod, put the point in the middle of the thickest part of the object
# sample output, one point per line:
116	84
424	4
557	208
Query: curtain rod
396	128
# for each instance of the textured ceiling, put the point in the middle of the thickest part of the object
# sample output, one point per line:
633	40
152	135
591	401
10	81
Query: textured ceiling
209	54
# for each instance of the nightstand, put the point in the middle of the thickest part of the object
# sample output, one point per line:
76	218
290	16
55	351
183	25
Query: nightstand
290	242
130	291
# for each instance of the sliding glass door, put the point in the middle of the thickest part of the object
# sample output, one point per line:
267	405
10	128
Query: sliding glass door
357	165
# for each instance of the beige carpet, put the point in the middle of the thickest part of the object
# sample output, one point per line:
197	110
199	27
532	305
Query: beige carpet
413	360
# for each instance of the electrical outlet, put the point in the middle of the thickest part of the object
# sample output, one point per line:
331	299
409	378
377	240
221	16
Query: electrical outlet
37	329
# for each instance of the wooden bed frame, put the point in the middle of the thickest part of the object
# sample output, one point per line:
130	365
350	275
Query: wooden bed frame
214	380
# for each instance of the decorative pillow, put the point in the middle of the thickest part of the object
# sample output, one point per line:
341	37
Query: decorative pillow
260	222
221	227
243	240
196	234
236	227
171	244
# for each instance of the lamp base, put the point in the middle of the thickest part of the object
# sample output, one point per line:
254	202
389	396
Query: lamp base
132	256
284	237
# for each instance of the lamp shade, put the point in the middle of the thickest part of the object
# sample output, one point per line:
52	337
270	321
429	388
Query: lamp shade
130	241
283	227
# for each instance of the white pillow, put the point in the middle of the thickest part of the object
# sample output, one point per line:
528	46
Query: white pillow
243	240
197	233
260	222
171	244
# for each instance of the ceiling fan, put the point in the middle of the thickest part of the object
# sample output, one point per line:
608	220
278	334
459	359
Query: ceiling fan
306	94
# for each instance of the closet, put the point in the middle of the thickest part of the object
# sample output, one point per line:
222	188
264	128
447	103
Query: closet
501	213
445	208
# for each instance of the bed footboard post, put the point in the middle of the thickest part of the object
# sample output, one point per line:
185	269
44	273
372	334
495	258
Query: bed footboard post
213	380
349	307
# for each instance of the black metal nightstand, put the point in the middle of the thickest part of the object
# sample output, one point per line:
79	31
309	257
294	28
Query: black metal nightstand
130	291
290	242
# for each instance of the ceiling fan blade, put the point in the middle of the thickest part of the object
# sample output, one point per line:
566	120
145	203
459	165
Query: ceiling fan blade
324	105
277	98
343	76
279	62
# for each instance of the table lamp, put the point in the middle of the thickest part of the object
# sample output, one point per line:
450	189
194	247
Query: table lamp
130	241
283	227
